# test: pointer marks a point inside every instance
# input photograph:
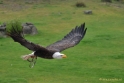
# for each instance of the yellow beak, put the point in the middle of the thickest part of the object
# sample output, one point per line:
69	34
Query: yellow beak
64	56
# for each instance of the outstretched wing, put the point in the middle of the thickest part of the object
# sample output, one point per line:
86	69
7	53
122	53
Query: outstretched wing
70	40
16	34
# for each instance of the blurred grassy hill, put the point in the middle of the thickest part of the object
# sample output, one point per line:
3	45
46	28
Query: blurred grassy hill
98	58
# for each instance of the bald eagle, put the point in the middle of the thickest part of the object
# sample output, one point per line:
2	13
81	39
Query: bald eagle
52	51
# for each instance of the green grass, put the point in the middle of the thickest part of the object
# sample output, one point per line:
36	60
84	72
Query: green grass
98	58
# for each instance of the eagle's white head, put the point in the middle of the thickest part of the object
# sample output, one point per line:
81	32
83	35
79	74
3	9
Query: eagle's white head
58	55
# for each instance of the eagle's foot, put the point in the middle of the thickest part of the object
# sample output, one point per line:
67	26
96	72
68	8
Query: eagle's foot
32	61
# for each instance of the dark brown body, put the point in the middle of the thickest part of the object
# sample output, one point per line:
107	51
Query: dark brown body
44	54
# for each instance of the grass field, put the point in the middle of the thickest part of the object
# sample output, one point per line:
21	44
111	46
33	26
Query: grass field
98	58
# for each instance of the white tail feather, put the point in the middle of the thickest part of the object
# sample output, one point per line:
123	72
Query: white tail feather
25	57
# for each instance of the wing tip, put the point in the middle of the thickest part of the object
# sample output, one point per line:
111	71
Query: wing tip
77	30
83	28
14	30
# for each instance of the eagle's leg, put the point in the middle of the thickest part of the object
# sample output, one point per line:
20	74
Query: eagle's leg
32	59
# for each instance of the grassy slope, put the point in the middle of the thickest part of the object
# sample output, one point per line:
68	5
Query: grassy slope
99	56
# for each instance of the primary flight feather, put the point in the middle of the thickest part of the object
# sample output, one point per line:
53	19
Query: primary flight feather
53	50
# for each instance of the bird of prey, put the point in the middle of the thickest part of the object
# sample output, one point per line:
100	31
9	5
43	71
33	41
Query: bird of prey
52	51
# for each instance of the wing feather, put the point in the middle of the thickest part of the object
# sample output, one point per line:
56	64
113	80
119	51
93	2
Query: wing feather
70	40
